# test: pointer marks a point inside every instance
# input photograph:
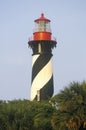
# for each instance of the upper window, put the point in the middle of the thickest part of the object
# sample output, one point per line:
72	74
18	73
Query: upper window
43	26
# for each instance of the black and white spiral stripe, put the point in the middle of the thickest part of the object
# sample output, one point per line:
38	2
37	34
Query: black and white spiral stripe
42	76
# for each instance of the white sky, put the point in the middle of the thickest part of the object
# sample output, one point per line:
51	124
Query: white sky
68	23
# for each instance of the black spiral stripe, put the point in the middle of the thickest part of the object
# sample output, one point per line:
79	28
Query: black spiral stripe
41	61
47	91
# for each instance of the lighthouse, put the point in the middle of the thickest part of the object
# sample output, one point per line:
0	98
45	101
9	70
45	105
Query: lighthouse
42	44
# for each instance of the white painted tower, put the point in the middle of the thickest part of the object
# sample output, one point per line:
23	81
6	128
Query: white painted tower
42	43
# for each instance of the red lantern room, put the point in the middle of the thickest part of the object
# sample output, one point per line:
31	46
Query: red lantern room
42	32
42	29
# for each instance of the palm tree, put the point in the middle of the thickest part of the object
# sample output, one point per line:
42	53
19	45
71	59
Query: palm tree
71	107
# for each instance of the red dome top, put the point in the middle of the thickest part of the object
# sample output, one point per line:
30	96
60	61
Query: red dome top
42	18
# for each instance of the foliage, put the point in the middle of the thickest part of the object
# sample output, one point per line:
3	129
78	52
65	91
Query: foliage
71	107
25	115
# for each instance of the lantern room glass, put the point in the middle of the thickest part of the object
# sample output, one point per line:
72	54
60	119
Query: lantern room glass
42	26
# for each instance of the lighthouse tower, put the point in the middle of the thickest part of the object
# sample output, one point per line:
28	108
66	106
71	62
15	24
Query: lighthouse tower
42	43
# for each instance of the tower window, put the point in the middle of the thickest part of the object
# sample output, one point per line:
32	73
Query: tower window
43	26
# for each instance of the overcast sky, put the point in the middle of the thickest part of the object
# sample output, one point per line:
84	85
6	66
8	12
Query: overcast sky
68	23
